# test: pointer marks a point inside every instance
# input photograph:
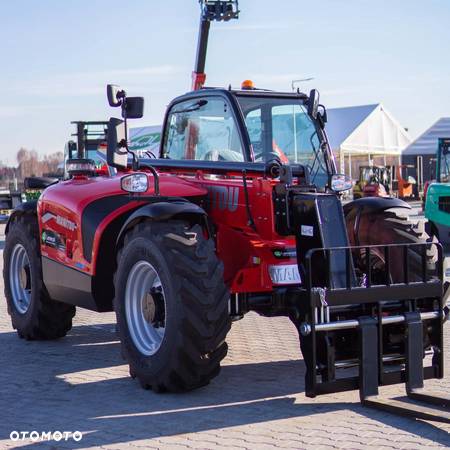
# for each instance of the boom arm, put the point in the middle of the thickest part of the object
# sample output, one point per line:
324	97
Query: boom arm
210	10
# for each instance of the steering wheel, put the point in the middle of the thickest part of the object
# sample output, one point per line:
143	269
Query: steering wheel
150	154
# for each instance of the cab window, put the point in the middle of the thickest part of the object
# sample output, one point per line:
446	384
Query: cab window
283	127
203	129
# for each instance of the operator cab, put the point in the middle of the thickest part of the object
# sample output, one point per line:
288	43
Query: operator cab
443	175
248	125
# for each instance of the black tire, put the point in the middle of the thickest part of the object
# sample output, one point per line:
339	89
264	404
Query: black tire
195	318
388	227
44	318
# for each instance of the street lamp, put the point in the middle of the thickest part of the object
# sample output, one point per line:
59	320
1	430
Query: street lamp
301	80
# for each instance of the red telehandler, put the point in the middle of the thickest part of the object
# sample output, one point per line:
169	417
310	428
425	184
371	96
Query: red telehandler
218	225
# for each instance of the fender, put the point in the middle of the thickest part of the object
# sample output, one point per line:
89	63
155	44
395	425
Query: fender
365	206
29	207
161	211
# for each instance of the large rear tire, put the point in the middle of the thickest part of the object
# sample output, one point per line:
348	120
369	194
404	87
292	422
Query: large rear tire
33	313
171	305
389	227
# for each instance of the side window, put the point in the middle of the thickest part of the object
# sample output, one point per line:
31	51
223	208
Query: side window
203	130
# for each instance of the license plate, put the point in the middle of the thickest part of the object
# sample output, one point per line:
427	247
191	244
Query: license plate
285	274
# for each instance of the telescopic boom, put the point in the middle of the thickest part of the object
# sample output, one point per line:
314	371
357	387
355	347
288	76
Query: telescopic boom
218	10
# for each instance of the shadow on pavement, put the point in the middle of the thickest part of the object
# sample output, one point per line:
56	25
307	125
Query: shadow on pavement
110	408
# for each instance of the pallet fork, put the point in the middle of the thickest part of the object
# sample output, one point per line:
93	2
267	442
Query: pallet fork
369	372
424	304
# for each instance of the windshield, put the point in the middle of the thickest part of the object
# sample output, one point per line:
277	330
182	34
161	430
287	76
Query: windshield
283	126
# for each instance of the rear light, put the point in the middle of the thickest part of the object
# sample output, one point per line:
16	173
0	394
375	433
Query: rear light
80	166
136	182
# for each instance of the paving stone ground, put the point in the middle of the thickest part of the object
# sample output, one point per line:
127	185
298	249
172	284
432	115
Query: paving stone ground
80	383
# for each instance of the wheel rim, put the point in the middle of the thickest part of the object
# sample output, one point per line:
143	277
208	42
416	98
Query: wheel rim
20	278
145	308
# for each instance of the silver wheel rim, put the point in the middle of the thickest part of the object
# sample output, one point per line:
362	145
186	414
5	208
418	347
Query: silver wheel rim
145	308
20	278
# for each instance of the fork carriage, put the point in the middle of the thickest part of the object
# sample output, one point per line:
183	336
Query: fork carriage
417	318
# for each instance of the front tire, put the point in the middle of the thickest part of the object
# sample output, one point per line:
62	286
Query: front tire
33	313
171	305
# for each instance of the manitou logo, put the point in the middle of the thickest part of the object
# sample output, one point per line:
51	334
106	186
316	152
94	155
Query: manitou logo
223	197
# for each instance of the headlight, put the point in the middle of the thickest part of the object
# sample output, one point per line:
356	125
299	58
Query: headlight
340	182
136	182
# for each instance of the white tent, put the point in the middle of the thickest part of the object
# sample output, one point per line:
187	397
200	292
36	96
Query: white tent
422	152
364	131
427	142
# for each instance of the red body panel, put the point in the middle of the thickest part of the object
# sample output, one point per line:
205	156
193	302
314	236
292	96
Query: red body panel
246	253
63	204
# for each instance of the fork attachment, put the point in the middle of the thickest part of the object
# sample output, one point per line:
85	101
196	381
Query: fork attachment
414	373
375	332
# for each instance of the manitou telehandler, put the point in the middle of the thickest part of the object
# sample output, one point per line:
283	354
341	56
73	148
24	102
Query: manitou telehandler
236	214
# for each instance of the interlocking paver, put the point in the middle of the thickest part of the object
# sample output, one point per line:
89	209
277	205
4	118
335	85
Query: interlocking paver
81	383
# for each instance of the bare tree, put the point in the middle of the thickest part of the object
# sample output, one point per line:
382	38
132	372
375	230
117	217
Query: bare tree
30	165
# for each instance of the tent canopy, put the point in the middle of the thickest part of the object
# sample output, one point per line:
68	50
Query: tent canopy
426	143
365	130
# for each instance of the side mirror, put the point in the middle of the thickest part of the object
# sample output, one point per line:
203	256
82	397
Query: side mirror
313	103
115	95
116	152
322	116
340	183
134	108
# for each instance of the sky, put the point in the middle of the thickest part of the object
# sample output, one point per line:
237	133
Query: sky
58	55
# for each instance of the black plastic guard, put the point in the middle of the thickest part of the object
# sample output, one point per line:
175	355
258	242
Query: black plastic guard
24	208
163	210
318	221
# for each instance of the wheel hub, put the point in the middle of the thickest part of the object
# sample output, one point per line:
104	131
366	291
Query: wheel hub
148	308
24	277
145	308
20	278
